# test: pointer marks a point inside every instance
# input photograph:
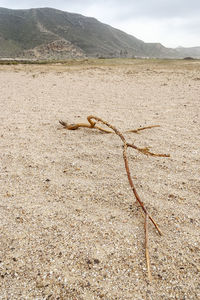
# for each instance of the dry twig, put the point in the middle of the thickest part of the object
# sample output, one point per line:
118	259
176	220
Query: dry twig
145	151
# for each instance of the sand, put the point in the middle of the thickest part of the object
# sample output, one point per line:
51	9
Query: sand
69	224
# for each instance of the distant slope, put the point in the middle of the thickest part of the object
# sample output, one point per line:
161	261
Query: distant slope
50	33
26	29
189	52
19	28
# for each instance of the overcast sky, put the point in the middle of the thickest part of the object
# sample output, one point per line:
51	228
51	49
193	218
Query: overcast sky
170	22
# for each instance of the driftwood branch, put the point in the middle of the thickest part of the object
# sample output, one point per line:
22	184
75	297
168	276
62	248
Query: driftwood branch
93	125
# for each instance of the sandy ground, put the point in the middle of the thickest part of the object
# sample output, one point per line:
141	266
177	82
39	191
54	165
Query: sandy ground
69	224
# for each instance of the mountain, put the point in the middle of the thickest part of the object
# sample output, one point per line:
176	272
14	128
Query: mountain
189	52
46	33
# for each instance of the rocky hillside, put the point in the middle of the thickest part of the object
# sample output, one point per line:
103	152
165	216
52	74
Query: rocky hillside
47	33
59	49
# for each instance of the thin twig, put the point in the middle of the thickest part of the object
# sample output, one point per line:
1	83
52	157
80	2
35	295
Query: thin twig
145	151
147	246
94	126
142	128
